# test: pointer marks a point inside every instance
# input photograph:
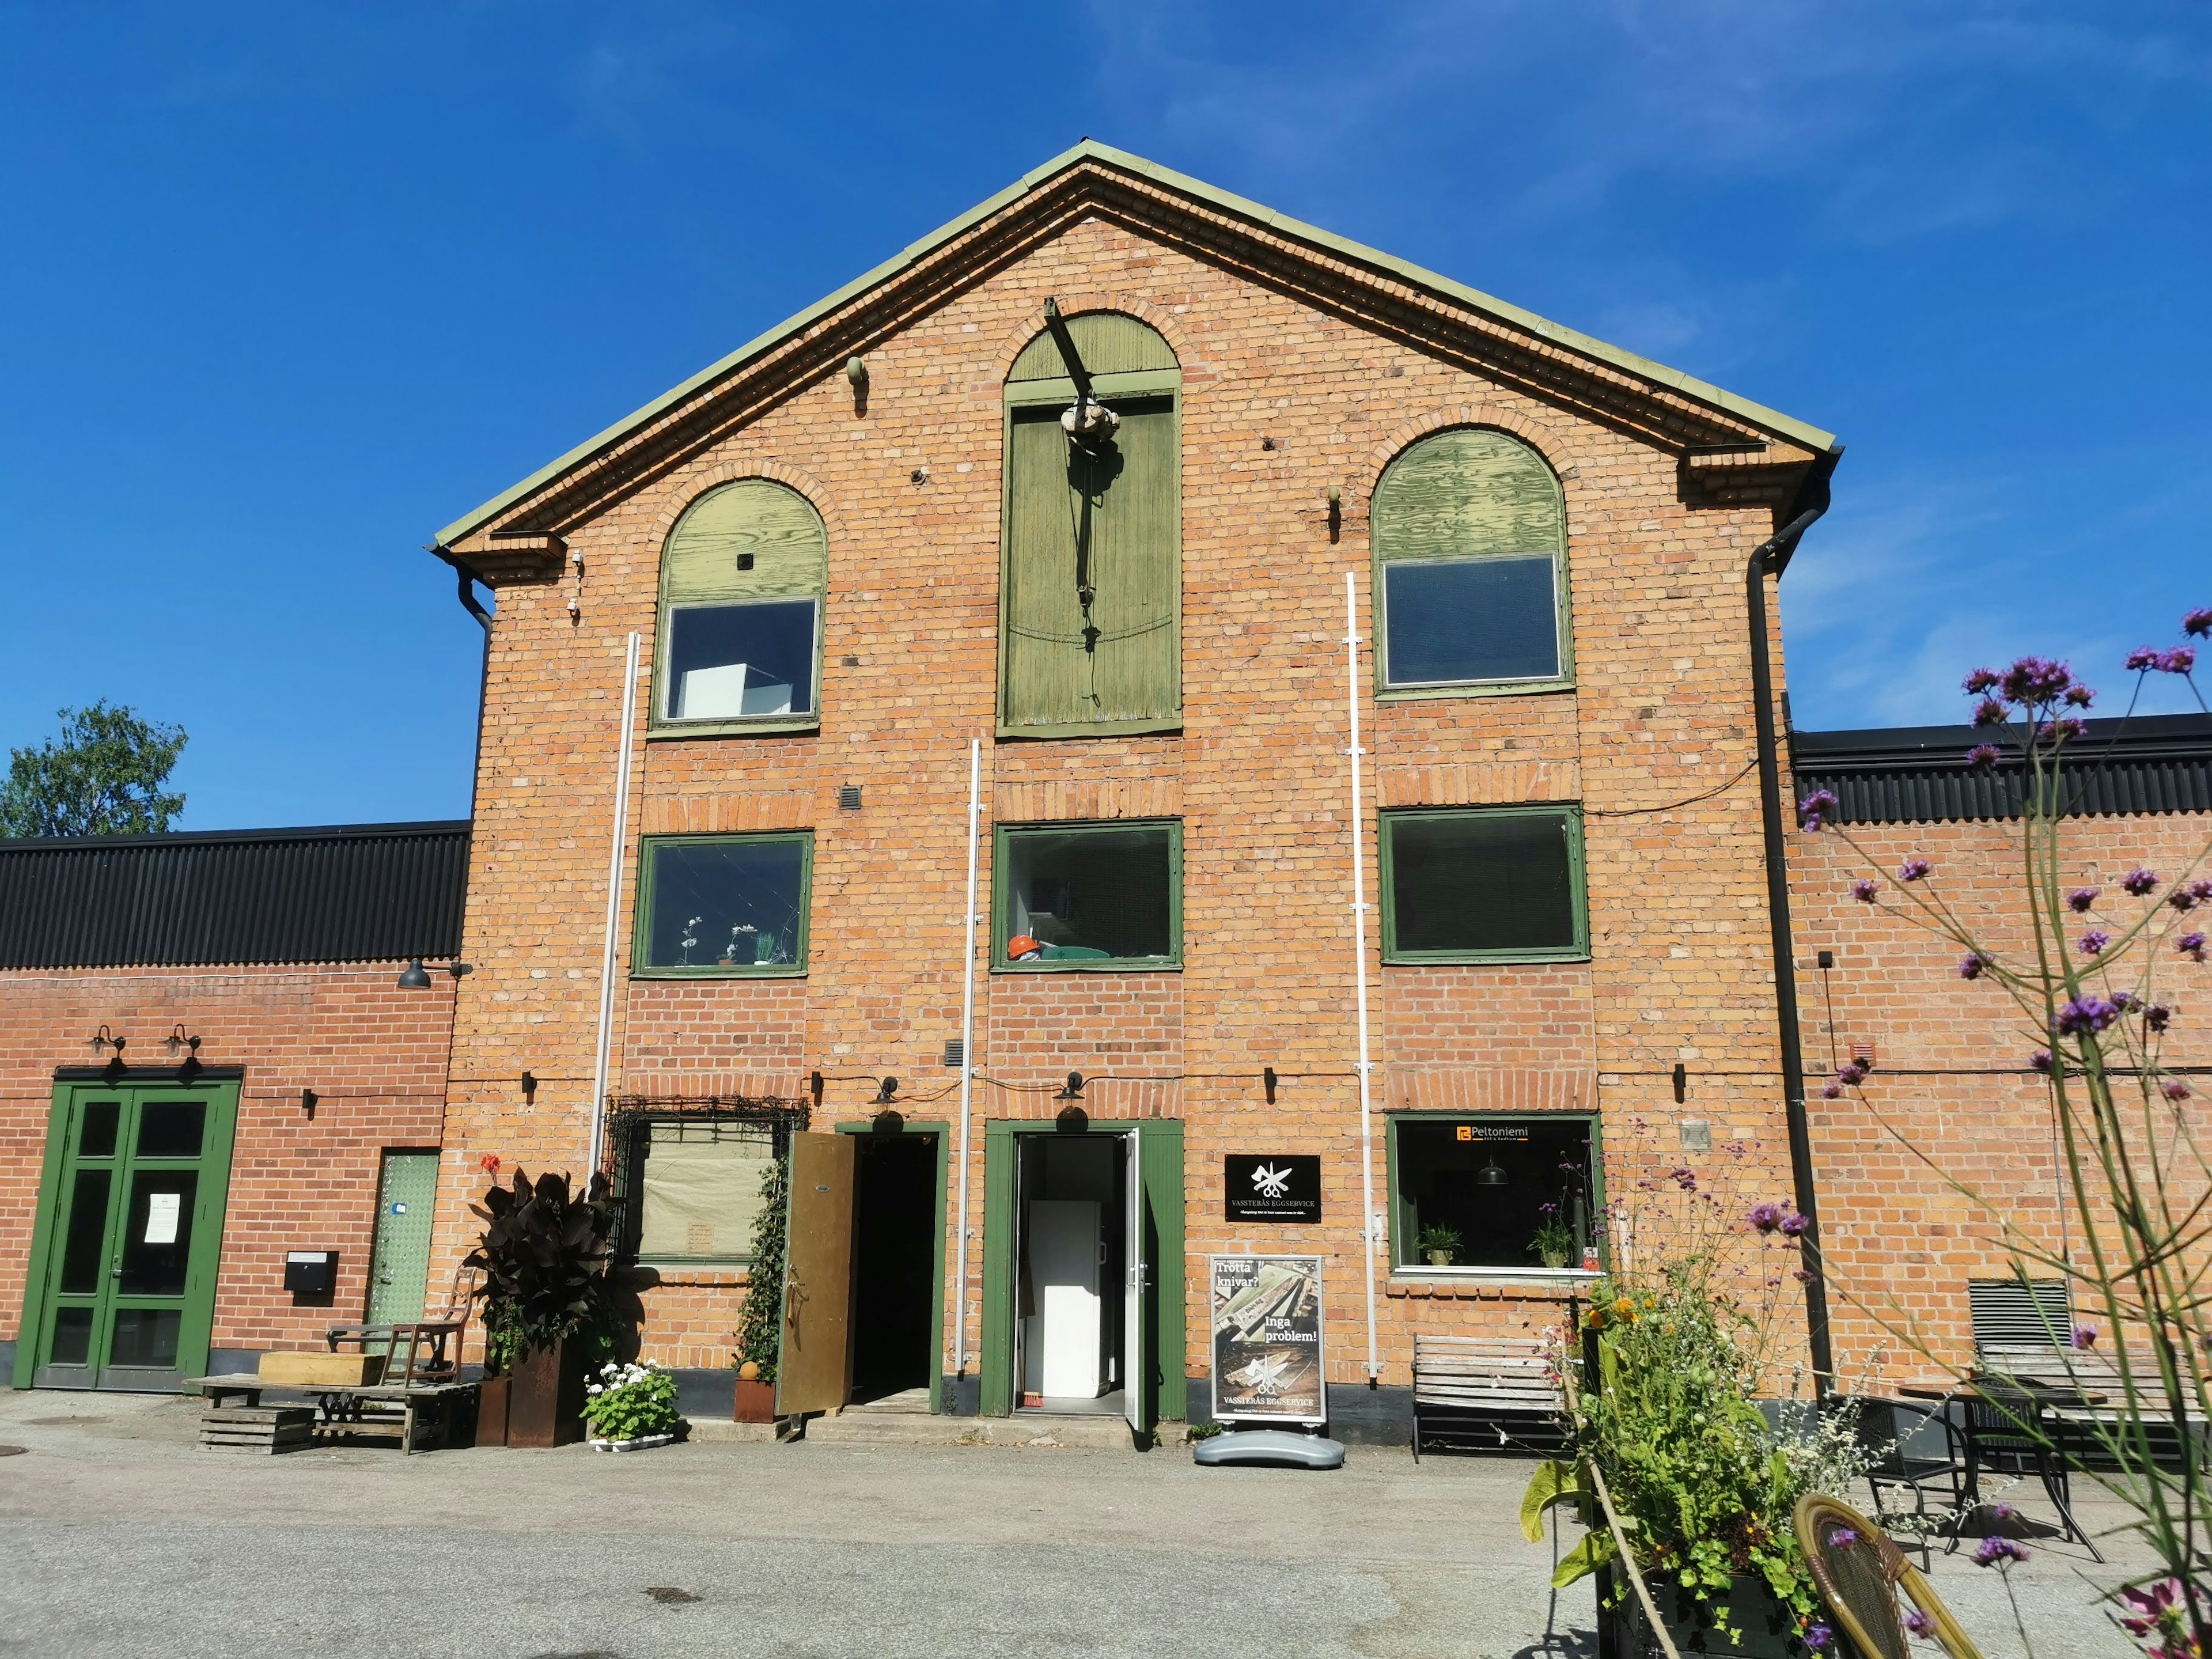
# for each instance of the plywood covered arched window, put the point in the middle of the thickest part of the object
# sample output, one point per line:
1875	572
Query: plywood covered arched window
741	581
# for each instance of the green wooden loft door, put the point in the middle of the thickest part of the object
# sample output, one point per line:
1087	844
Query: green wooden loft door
399	1266
130	1213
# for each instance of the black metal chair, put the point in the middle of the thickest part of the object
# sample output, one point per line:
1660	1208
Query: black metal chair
2010	1430
1916	1450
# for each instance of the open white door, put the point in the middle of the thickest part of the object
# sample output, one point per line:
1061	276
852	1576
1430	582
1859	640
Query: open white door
1134	1371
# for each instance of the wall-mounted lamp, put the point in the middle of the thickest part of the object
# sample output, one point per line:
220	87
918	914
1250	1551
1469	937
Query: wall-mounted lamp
814	1082
920	475
1492	1174
856	371
1681	1083
1335	512
308	1100
178	1043
1075	1089
530	1088
1268	1082
103	1040
416	977
1826	960
886	1092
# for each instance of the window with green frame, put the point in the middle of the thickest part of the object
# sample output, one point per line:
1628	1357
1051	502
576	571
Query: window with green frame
1471	569
1519	1194
742	582
710	905
1091	584
1087	895
1491	884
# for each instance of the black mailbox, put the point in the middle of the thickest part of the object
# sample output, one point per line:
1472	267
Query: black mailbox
311	1272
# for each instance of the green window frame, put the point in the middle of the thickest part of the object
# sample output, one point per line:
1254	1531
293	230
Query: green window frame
1464	496
1404	1221
1004	836
1570	820
649	882
751	542
1109	523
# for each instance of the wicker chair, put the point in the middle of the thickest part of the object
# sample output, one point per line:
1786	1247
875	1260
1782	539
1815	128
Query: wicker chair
1860	1578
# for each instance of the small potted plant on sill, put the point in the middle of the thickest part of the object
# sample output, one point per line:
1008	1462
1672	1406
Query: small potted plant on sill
1554	1243
760	1321
1440	1244
630	1407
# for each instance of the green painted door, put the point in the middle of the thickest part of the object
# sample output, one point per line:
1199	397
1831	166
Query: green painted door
399	1266
130	1213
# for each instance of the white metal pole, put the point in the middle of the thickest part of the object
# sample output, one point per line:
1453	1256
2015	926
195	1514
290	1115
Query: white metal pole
1367	1227
614	908
967	1061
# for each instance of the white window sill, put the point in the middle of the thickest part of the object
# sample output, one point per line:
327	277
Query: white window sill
1415	1275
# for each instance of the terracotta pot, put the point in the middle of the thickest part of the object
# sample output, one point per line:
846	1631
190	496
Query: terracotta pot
491	1411
545	1396
755	1402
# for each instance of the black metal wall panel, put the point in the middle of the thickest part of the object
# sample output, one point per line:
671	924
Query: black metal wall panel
1919	775
356	893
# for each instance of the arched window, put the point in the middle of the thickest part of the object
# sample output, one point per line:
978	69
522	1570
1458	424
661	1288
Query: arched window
1471	567
1090	579
741	581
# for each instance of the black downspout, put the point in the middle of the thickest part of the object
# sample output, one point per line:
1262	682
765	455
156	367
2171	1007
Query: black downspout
1772	558
483	671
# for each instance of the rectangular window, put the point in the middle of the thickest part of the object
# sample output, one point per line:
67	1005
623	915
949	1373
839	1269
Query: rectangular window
1516	1194
699	1191
1486	885
740	661
1090	895
723	904
1451	621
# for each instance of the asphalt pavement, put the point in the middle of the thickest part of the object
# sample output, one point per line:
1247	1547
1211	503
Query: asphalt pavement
119	1536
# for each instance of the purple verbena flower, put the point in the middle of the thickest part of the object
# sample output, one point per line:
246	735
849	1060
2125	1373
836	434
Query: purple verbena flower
2143	657
2093	942
2086	1014
2141	882
2179	661
1766	1217
2036	679
1914	869
1842	1539
2192	945
2174	1089
1982	756
2123	1000
1819	1637
1994	1552
1985	680
1989	712
1865	891
2198	622
1921	1624
1817	808
2186	897
1685	1179
2061	731
1854	1071
2084	1338
2004	1512
1832	1092
1793	1225
2080	899
2156	1016
2040	1060
1971	965
2079	696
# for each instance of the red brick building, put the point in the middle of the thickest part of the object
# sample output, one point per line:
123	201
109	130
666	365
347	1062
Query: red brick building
1034	547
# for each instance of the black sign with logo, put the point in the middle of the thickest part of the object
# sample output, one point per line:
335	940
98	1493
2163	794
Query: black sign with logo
1283	1189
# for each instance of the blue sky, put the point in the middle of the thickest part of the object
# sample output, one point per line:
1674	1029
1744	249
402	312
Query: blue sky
287	287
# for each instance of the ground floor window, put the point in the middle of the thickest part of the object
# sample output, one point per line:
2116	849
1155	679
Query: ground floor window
697	1186
1494	1192
723	904
1089	894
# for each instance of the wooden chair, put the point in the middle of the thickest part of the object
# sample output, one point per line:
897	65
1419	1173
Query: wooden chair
1860	1571
1471	1389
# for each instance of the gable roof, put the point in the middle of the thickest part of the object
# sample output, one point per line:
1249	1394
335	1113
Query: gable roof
1090	162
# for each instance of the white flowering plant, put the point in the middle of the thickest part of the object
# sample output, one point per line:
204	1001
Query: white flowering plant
629	1401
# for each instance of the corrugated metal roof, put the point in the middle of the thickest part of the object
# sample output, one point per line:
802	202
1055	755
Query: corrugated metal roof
367	892
1919	774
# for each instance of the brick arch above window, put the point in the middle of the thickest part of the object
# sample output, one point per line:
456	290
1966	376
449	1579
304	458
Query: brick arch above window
691	486
1157	318
1553	444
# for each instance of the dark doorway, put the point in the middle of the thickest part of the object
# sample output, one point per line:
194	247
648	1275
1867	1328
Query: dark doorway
894	1255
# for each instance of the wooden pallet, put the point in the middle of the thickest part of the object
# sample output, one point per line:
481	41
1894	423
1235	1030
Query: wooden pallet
264	1429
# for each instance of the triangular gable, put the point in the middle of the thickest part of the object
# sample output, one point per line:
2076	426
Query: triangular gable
1733	447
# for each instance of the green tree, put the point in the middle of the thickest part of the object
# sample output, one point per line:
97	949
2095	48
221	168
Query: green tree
103	776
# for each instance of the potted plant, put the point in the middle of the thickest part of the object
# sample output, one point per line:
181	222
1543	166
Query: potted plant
630	1407
1555	1241
548	1308
760	1321
1440	1244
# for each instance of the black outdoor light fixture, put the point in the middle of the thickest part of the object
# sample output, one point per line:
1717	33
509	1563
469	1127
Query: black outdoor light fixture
530	1088
1268	1082
1681	1083
1492	1174
308	1100
103	1039
1075	1089
177	1044
886	1092
416	977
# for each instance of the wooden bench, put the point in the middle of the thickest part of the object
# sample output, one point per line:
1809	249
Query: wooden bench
1487	1391
409	1407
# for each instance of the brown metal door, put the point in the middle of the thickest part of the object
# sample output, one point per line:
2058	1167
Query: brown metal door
813	1372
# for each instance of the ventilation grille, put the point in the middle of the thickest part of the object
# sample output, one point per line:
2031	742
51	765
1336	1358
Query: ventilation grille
955	1053
848	797
2010	1315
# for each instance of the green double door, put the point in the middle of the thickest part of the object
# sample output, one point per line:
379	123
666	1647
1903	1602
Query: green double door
130	1211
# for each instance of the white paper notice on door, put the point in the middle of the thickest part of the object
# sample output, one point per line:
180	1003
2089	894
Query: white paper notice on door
162	1210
